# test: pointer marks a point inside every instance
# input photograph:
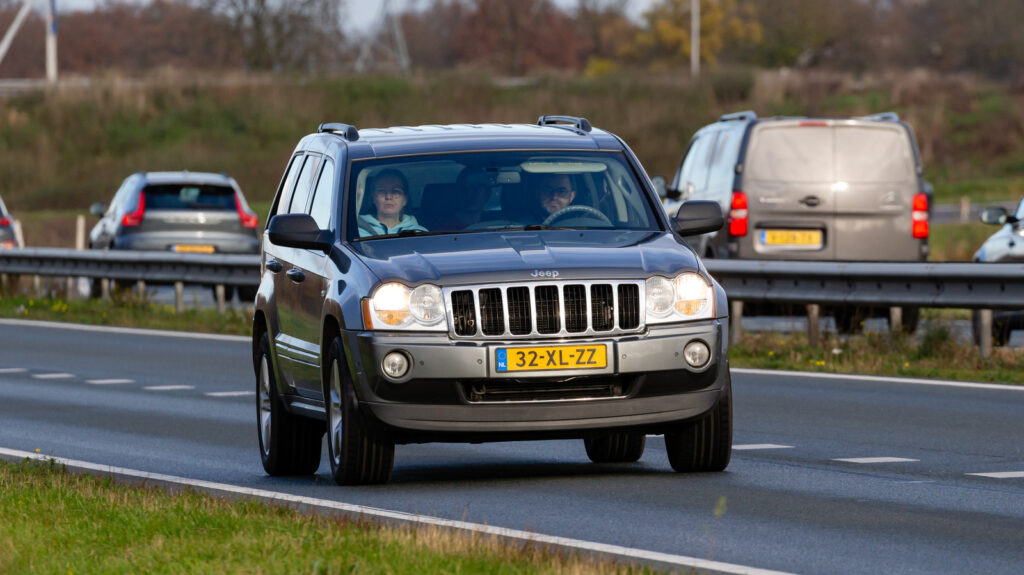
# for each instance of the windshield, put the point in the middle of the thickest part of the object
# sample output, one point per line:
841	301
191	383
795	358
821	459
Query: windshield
475	192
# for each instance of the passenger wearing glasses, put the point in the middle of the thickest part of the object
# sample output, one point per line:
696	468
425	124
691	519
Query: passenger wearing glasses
555	192
389	192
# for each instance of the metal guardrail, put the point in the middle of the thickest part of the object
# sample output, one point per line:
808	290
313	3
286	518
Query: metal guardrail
878	284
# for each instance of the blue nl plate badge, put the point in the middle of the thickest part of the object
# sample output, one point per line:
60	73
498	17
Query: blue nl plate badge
502	359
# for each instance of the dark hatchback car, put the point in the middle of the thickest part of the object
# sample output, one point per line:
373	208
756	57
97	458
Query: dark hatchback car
478	283
8	238
1004	246
184	212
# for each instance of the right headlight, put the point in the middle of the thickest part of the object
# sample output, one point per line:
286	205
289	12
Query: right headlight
686	297
395	306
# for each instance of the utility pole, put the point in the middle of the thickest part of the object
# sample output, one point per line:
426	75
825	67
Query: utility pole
51	42
695	38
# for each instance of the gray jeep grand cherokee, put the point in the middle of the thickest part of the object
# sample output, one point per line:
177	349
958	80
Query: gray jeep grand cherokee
479	283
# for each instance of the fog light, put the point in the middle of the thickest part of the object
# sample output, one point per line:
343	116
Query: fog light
696	353
395	364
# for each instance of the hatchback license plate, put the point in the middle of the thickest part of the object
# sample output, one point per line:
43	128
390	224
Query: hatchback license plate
192	249
551	358
791	237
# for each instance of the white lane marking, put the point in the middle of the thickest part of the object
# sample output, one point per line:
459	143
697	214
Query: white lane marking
168	387
752	446
13	370
229	393
308	502
879	378
1001	474
109	381
876	460
125	330
53	375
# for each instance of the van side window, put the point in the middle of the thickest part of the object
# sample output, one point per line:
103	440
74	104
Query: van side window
284	195
321	208
723	164
303	184
695	166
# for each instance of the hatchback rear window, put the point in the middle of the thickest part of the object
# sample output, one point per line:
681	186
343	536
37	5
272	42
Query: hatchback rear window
189	197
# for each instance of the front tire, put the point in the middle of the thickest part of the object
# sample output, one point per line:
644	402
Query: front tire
360	454
289	444
619	447
705	443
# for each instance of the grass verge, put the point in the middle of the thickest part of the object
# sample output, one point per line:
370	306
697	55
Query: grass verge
934	354
127	312
53	521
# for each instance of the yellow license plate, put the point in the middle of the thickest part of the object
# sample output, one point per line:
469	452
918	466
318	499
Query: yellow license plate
191	249
550	358
791	237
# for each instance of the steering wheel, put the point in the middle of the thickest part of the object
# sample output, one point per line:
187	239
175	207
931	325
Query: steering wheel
573	209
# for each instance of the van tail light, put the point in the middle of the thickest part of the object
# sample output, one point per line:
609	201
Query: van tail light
738	214
5	222
919	216
249	219
135	218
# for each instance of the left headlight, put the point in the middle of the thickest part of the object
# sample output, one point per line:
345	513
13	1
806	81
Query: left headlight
686	297
395	306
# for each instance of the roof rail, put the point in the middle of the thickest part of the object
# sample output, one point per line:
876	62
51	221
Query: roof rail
883	117
582	125
346	131
744	115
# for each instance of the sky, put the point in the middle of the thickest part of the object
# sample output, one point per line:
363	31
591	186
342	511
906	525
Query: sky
364	13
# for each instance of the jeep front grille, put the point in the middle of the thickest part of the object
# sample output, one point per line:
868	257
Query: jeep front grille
569	308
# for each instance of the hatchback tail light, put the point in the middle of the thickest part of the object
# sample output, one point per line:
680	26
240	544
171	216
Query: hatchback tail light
738	214
5	222
248	219
919	216
133	219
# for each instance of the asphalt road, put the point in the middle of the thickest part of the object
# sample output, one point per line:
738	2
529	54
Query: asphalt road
185	406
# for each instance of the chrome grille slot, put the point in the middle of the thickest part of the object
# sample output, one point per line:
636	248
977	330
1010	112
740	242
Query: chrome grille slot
492	312
575	297
554	308
520	321
547	309
629	306
602	307
464	312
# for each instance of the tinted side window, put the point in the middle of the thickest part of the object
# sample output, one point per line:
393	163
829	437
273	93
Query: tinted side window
723	163
284	195
302	186
321	208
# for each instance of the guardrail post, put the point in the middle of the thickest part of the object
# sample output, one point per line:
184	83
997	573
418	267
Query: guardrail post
895	319
965	210
735	321
220	298
985	337
37	286
140	286
179	297
813	324
105	289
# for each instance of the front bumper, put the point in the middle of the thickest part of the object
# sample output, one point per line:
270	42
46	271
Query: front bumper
647	383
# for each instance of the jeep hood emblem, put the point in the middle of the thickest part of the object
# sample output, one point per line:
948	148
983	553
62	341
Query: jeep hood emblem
544	274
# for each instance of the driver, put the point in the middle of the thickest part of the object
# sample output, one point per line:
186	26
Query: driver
555	192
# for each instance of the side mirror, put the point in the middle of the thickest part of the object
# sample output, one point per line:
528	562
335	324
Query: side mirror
698	217
996	216
98	209
298	231
660	186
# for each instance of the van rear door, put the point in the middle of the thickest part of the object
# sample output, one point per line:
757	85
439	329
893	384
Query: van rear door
789	178
876	180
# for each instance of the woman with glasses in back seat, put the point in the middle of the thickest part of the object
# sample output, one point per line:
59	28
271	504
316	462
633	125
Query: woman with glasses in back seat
389	192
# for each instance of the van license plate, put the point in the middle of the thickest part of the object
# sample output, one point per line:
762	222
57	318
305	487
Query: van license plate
550	358
192	249
791	237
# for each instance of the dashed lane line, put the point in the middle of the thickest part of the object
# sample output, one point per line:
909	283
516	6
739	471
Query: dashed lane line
876	378
394	517
1001	474
754	446
229	393
876	460
13	370
126	330
109	381
168	387
53	375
